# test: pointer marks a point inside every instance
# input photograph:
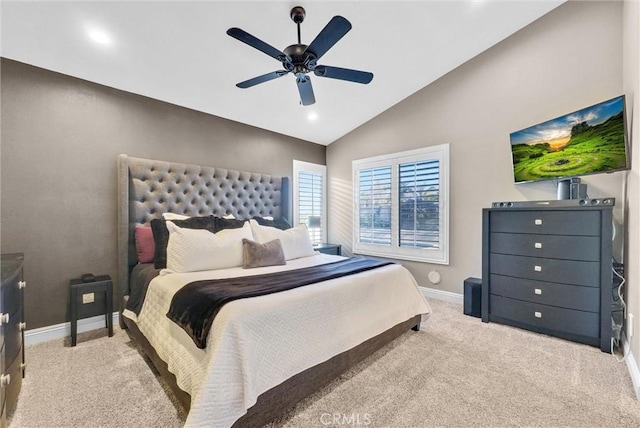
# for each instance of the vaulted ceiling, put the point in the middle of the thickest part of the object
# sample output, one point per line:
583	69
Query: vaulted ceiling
179	52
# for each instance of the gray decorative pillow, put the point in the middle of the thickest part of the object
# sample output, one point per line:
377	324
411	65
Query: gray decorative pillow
260	255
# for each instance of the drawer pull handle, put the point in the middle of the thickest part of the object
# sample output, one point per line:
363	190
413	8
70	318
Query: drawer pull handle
5	379
4	319
538	314
537	245
22	326
537	221
537	268
537	291
22	284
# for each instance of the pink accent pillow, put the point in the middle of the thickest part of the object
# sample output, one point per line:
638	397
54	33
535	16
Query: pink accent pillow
145	247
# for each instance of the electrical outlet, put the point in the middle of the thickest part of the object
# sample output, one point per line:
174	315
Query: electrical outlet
630	326
88	298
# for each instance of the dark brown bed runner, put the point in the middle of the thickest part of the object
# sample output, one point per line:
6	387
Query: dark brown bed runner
196	304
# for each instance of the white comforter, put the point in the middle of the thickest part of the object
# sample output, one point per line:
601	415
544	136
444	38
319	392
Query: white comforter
257	343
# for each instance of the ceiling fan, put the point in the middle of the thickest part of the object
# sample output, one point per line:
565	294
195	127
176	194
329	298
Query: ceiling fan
301	59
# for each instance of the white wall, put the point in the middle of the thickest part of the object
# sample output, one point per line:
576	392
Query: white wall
569	59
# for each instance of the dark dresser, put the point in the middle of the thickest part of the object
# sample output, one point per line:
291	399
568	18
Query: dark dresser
549	270
11	330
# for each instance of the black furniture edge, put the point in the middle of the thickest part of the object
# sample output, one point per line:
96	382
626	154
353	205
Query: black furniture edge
327	248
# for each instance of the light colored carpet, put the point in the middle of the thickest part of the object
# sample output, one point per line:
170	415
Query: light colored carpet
101	382
456	372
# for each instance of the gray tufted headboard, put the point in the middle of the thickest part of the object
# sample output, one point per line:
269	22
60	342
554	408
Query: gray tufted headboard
147	188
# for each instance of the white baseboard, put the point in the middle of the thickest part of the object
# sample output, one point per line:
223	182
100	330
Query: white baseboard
632	366
60	331
447	296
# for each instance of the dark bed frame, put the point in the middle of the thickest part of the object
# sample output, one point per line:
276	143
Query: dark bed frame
147	188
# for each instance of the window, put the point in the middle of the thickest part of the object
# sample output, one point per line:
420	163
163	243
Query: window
401	205
309	187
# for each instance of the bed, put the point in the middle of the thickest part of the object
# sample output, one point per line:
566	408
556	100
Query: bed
262	354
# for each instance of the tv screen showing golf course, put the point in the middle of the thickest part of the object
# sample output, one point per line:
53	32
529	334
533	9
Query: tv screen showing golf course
588	141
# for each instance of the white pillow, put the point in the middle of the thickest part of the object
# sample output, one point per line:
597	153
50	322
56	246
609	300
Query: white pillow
191	250
172	216
295	241
229	217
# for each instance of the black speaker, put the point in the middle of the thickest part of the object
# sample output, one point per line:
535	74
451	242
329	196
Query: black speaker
571	188
564	189
577	191
582	202
472	296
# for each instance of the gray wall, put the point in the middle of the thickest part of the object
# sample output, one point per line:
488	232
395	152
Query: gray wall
631	81
569	59
60	141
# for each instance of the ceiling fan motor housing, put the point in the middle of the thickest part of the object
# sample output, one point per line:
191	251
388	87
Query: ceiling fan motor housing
303	61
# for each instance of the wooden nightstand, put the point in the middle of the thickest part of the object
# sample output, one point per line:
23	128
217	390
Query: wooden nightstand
334	249
99	300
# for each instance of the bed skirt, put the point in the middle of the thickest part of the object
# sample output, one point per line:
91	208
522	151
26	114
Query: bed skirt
275	402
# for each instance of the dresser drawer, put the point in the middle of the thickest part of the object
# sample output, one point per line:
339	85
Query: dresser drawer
547	293
546	317
13	389
12	294
585	248
552	270
3	390
546	222
13	336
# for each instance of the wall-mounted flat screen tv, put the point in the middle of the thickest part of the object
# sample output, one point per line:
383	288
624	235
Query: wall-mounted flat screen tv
588	141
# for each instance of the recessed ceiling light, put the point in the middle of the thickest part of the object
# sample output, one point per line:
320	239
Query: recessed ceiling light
99	36
312	116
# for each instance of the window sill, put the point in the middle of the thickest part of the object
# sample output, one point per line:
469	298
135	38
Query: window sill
394	256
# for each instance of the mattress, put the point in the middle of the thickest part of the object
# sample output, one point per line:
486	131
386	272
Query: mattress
259	342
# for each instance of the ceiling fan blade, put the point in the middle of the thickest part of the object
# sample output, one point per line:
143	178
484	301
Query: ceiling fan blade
261	79
329	36
254	42
357	76
306	90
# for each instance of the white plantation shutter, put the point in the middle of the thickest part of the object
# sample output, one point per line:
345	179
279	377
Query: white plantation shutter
375	206
401	205
419	204
310	199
